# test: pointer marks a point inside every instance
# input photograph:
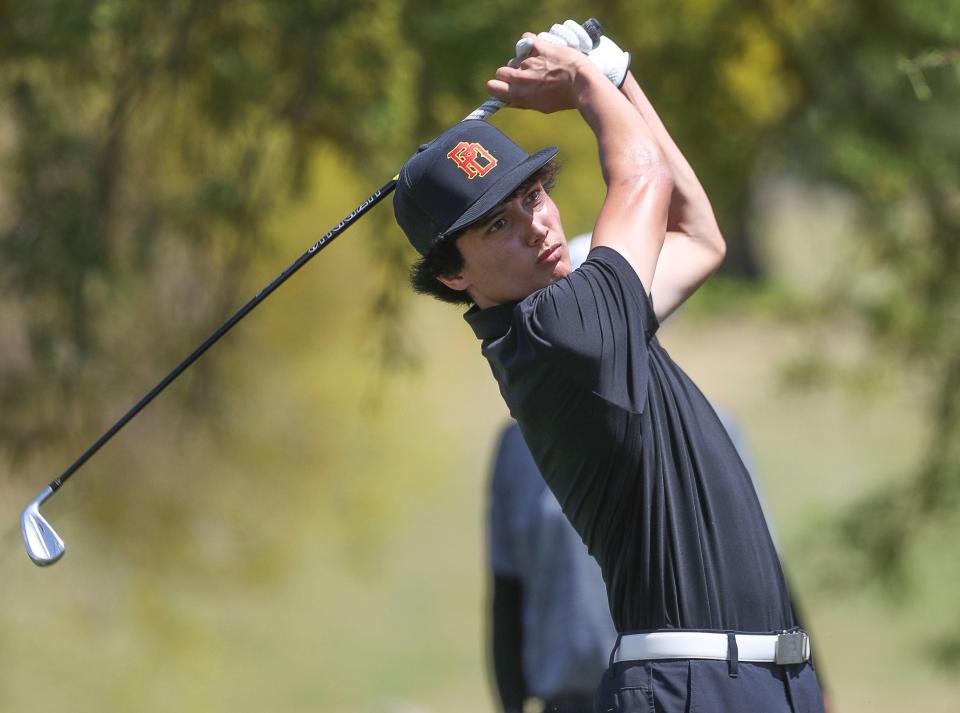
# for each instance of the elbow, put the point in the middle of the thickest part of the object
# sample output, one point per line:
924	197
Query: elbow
706	232
719	248
714	250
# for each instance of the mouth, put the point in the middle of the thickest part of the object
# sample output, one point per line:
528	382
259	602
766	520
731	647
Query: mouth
550	254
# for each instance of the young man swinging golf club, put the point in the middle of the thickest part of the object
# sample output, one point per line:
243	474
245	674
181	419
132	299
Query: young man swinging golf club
634	453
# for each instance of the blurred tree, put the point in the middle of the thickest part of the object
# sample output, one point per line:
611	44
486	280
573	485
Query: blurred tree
144	149
880	87
144	145
134	131
140	134
716	73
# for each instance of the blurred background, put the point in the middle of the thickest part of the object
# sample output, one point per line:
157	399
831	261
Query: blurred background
297	524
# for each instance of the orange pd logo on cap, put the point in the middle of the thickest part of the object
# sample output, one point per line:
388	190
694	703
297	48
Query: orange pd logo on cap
472	159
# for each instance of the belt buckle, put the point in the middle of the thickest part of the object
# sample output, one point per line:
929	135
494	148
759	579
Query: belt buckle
792	647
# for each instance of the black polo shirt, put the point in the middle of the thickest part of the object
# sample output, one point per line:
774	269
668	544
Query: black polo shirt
635	454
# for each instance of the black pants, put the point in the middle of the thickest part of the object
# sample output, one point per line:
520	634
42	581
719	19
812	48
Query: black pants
705	686
569	703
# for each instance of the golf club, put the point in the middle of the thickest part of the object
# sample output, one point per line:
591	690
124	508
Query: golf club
43	544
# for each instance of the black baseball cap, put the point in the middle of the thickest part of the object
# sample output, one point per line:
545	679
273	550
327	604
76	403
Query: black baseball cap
458	178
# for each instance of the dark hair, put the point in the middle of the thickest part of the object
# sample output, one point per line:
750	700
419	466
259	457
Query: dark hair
444	257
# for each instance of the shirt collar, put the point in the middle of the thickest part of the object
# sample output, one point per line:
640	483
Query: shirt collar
492	322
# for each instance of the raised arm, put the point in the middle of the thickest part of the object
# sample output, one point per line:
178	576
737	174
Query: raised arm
633	219
694	246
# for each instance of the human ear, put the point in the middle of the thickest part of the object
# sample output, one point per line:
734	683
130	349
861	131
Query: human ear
455	282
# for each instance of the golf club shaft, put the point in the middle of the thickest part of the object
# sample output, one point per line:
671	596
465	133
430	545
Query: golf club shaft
349	220
484	111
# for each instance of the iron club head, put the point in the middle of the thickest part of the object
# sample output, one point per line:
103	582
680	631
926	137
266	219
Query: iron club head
43	544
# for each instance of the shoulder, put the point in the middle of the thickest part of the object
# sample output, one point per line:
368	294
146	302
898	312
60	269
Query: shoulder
604	291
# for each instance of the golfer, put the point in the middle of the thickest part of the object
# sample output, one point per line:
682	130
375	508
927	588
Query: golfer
635	455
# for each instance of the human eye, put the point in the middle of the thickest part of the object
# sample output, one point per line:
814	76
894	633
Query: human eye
496	225
534	195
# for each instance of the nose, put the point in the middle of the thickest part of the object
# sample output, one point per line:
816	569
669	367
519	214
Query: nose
538	230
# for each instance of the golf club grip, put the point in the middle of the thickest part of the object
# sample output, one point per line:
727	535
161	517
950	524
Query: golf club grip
485	110
492	106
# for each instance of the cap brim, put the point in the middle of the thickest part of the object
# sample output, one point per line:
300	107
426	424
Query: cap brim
507	184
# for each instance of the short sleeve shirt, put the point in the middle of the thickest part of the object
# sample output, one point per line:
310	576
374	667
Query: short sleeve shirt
635	454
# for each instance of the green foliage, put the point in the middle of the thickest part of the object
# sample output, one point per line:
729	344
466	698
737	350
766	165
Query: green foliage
146	149
137	129
862	125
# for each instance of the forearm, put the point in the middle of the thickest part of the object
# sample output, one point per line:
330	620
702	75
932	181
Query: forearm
690	209
554	78
633	219
628	148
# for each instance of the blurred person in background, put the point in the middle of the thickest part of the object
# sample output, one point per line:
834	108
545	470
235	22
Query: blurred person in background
635	455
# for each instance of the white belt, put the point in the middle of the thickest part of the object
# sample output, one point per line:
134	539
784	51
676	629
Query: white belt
786	648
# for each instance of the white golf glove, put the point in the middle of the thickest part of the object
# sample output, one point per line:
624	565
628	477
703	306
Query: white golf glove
607	56
569	34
